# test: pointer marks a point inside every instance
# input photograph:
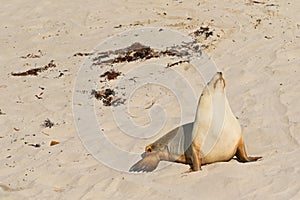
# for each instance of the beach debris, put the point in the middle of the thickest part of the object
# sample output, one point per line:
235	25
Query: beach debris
262	3
258	21
177	63
111	75
258	2
268	37
137	23
53	142
31	55
119	26
82	54
134	52
34	145
60	74
39	96
203	31
2	113
35	71
150	105
47	123
208	35
106	96
118	101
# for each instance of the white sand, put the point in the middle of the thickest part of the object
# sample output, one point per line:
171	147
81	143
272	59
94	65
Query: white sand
257	48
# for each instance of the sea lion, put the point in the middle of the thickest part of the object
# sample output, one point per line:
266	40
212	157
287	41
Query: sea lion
214	136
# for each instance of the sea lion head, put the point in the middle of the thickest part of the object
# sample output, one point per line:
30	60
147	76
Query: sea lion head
153	154
155	147
217	83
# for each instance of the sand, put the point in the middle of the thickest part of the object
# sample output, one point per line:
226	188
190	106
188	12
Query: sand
256	45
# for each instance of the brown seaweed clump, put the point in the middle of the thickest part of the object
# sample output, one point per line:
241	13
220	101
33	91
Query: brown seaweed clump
35	71
111	75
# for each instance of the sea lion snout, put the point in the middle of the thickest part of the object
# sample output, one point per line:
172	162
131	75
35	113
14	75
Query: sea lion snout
220	76
148	148
218	79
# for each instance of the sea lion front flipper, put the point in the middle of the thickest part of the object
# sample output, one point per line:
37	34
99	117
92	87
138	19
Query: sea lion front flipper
242	155
196	157
147	164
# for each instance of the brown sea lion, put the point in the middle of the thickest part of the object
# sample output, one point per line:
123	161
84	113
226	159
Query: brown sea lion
214	136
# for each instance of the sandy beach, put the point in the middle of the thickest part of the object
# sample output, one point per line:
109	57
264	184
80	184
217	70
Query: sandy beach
45	45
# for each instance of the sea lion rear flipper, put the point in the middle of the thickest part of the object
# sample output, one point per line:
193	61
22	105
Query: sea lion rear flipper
242	155
147	164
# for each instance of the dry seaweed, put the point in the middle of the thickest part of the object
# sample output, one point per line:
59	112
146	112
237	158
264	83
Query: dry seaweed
203	31
110	75
106	96
31	55
176	63
48	124
134	52
82	54
35	71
